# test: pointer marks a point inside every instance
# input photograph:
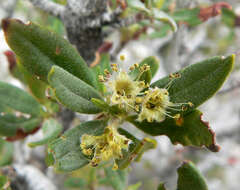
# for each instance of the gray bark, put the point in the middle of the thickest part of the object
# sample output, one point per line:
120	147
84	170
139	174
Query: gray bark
83	20
80	19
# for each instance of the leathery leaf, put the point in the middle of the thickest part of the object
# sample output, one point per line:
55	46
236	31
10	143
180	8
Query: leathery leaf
66	149
73	92
38	49
188	130
189	177
198	82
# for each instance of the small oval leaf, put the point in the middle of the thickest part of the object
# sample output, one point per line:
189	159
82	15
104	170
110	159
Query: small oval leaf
73	92
39	49
189	130
198	82
66	149
190	178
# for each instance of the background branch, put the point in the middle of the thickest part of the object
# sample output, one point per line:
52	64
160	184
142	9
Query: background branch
49	7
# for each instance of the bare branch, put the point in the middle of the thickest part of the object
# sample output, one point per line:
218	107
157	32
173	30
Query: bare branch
50	7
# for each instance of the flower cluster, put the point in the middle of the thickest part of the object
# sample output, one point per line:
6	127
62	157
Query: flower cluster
133	95
104	147
125	90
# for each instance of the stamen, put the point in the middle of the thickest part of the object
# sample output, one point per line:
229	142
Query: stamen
137	108
101	78
114	67
122	57
132	68
136	65
172	77
143	69
106	72
138	100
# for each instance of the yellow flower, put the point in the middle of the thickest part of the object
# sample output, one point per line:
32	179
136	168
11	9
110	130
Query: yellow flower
125	90
107	146
154	105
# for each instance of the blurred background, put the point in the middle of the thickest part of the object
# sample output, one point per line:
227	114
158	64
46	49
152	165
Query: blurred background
190	44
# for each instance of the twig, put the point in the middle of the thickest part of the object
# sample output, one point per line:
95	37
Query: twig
50	7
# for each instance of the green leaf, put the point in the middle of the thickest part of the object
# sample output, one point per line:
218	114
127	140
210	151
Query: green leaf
74	182
153	63
19	100
99	70
105	63
189	130
188	16
51	130
198	82
39	49
9	124
3	108
73	92
66	149
161	186
6	153
228	17
117	179
162	16
36	86
190	178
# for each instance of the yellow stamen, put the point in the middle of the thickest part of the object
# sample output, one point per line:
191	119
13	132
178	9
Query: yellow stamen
122	57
